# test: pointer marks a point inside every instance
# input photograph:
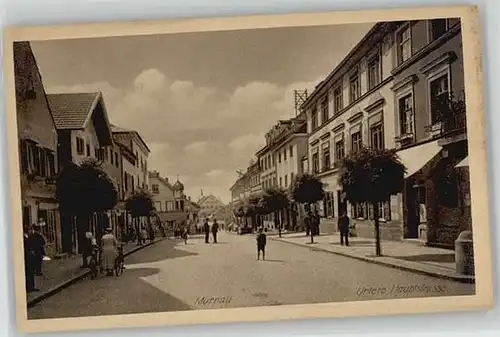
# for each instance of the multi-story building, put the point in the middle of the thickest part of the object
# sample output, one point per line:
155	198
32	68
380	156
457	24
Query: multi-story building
385	94
83	132
37	149
169	200
431	132
209	204
135	164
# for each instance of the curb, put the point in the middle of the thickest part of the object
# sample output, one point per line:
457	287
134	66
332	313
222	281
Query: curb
457	278
52	291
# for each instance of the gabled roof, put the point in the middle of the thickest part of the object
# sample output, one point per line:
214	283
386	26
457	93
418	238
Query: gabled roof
72	110
118	129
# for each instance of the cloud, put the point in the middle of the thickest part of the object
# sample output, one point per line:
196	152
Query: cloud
202	133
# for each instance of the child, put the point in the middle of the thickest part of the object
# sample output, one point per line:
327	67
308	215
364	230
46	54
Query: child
261	244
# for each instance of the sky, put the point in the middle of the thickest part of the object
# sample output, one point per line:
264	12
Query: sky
201	101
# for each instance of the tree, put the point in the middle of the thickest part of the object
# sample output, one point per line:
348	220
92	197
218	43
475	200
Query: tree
83	190
274	200
307	189
140	204
372	176
253	208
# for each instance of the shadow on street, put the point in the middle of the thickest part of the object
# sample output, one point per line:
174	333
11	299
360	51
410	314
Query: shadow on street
167	249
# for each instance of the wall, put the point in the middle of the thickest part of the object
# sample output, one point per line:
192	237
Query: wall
90	139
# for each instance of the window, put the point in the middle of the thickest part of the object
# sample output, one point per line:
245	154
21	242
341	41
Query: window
356	141
328	205
377	136
326	159
284	154
88	150
80	146
405	105
354	87
116	160
279	157
275	182
339	150
374	72
324	110
360	210
111	156
404	44
338	103
291	177
314	119
286	180
155	188
51	163
315	162
439	27
439	95
291	151
281	182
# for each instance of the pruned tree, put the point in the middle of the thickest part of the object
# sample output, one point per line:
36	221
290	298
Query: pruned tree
372	176
274	200
307	189
140	204
83	190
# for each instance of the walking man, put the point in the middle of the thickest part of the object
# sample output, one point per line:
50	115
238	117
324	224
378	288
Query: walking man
39	249
29	259
343	225
206	229
215	229
261	244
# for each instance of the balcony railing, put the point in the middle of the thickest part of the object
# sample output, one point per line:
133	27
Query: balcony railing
453	125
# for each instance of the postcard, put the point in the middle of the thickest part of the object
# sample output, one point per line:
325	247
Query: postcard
243	169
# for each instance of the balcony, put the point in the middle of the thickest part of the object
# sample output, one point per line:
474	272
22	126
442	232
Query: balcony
452	129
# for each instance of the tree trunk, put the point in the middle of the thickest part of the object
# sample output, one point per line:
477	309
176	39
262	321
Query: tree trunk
378	250
277	223
66	233
311	225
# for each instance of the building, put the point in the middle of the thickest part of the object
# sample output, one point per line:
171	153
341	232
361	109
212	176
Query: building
169	200
385	94
83	132
193	214
37	149
436	206
135	164
209	204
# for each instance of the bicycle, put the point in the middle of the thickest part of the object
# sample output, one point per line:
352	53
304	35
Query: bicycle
119	262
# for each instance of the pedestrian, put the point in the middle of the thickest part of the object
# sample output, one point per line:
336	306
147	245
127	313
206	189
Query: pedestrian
343	224
38	242
215	229
316	222
185	235
308	222
144	235
29	261
206	229
261	244
87	249
109	246
151	234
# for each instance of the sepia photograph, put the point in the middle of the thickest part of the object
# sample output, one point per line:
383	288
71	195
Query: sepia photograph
198	171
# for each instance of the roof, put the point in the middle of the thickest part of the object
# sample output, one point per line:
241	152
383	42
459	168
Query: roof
118	129
178	186
72	110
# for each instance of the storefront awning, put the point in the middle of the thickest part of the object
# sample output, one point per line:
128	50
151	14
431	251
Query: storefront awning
418	156
464	162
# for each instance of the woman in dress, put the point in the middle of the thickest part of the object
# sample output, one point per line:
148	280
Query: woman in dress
109	251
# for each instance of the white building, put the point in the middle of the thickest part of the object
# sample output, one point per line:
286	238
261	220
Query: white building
354	106
135	160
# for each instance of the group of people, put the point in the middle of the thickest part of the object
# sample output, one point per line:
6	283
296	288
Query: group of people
311	222
34	252
207	229
109	246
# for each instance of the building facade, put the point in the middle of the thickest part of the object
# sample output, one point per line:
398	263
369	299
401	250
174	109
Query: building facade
169	200
389	92
429	97
37	149
209	205
83	132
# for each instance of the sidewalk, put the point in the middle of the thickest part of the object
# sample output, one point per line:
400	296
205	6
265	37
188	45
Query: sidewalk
59	274
408	255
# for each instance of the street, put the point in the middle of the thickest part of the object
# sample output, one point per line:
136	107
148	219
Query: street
171	276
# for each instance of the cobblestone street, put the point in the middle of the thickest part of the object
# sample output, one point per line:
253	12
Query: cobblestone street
171	276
